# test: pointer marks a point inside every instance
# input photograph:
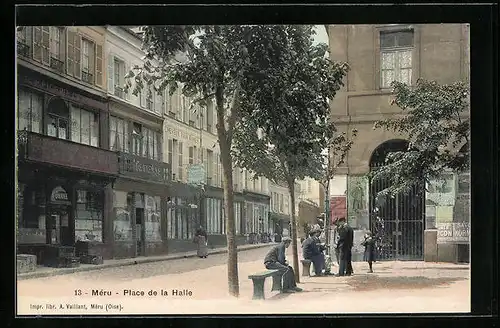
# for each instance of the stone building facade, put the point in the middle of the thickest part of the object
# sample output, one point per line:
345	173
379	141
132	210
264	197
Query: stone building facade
377	55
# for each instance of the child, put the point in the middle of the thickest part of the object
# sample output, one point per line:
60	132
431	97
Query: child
369	255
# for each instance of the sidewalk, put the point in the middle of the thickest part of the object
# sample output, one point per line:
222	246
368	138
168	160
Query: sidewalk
43	271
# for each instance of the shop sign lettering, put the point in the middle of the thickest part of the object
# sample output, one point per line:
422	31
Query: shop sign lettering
453	233
59	194
138	166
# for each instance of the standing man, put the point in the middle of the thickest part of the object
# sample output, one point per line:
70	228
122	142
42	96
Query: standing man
344	245
276	260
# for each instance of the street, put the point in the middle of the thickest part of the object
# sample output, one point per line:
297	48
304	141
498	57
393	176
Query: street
199	286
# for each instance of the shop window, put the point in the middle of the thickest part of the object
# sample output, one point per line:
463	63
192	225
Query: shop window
58	120
33	209
88	216
181	219
122	224
118	134
214	215
153	222
29	111
396	57
84	127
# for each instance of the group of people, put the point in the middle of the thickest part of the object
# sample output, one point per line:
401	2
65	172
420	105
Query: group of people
313	250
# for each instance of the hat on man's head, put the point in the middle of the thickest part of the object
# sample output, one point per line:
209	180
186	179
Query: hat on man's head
342	219
286	239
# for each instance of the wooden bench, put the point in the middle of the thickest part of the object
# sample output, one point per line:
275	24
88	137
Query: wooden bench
258	282
306	268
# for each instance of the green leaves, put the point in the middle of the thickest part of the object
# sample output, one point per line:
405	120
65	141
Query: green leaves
437	124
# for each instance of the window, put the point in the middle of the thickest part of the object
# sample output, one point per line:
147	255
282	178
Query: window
180	219
281	203
84	127
29	111
170	149
58	119
88	215
118	134
136	139
41	44
116	77
213	208
152	213
122	224
74	56
210	166
396	57
210	118
88	58
175	158
181	163
191	155
151	144
149	95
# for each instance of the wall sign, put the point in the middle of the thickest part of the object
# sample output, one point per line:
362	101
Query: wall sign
453	233
62	92
59	195
143	168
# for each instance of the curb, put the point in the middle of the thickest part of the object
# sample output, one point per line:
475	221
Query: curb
132	261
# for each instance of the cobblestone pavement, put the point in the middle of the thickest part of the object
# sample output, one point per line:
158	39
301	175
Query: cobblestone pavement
202	284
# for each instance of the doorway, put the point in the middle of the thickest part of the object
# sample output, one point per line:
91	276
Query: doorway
139	232
59	229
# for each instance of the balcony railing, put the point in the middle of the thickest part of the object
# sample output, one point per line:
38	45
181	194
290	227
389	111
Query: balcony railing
53	151
119	92
23	49
57	64
87	77
171	114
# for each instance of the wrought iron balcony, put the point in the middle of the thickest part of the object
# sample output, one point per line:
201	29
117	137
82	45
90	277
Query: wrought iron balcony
119	92
23	49
87	77
57	64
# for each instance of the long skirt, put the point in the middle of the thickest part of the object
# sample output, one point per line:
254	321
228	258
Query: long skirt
202	246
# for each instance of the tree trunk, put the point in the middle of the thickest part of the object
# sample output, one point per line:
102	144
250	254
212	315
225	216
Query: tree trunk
227	168
295	256
232	251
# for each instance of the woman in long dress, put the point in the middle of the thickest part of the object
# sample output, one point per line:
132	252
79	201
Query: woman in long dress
200	238
369	255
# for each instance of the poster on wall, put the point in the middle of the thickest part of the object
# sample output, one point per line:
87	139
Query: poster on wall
453	233
338	208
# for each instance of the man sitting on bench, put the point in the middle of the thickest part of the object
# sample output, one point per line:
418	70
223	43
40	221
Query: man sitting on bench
312	250
275	260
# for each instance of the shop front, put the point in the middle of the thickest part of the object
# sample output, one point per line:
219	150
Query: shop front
257	218
139	207
61	197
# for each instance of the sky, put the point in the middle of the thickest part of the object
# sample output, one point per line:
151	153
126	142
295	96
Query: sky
321	34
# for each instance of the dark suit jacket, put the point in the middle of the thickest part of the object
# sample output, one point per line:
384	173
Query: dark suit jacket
346	238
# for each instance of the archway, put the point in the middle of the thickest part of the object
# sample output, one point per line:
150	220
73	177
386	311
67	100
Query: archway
397	221
58	119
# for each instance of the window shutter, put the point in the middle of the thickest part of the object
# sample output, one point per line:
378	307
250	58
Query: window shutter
37	43
98	65
158	102
71	52
164	100
28	32
124	70
111	74
45	45
143	97
78	56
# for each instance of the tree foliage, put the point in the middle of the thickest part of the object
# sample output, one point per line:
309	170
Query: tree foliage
435	120
287	127
246	72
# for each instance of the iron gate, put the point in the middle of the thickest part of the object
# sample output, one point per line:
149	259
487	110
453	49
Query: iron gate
397	222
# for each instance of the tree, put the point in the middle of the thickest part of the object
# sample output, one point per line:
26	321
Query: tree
288	130
436	122
220	65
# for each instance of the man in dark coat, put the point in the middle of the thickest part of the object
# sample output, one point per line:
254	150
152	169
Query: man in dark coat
313	251
276	260
344	244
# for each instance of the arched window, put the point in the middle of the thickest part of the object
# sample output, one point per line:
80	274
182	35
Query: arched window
58	119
